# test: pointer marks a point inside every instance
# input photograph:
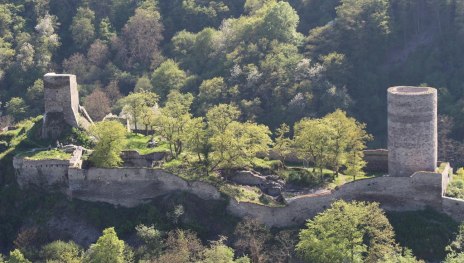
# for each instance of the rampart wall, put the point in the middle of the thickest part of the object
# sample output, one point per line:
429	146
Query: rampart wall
41	172
130	187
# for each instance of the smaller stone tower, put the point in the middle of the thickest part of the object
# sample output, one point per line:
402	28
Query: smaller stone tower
412	130
62	105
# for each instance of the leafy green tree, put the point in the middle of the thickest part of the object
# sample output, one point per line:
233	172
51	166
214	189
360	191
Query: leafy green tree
220	116
313	140
198	52
239	145
149	118
35	94
347	232
168	77
17	257
212	91
282	145
143	84
181	246
252	238
108	249
136	103
64	252
196	139
174	120
280	23
106	30
348	143
82	28
456	248
141	37
110	136
152	242
220	253
17	108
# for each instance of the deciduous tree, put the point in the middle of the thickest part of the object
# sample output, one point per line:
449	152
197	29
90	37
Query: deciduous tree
110	136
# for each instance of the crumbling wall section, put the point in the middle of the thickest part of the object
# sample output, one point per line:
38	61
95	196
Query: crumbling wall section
44	173
131	186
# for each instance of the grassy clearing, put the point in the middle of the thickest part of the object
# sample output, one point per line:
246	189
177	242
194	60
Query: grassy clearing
248	194
22	136
311	177
139	142
46	155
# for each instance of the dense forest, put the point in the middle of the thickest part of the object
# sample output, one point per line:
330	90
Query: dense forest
277	61
220	82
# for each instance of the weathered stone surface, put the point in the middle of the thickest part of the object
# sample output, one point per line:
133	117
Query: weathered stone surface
62	105
376	160
131	186
134	159
247	178
412	130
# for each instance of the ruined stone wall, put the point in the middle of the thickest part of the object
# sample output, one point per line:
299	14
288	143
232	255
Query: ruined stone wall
44	173
377	161
412	130
134	159
61	95
131	186
61	99
393	193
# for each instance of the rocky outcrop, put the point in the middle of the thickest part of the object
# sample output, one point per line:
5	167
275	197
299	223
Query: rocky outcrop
270	184
134	159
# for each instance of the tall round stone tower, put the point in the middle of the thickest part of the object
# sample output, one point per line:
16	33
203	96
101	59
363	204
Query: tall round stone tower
412	130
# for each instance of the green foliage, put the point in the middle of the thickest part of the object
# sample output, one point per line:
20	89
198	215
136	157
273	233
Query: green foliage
173	121
248	194
108	249
140	143
353	232
82	28
333	141
135	104
63	252
456	186
110	137
168	77
414	228
54	154
17	257
17	108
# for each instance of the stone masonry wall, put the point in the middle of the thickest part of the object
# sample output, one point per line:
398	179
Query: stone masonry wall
131	186
44	173
393	193
412	130
377	161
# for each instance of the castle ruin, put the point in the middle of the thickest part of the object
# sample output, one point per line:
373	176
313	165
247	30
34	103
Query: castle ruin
412	130
62	105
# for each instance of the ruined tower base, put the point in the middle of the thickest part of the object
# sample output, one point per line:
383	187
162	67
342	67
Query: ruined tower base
62	109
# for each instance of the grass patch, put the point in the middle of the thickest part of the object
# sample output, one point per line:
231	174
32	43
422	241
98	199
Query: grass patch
456	186
248	194
53	154
139	143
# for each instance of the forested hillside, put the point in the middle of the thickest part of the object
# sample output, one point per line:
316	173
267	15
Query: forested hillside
277	60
